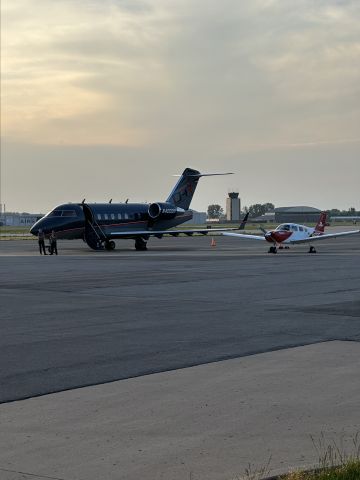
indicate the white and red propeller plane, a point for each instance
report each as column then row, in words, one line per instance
column 292, row 233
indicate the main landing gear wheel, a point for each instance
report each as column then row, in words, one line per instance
column 272, row 250
column 140, row 244
column 312, row 250
column 109, row 245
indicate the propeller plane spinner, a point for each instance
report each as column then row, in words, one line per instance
column 292, row 234
column 98, row 224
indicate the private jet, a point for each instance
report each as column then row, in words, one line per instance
column 99, row 224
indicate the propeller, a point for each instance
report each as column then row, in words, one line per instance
column 263, row 230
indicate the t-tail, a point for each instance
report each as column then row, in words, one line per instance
column 184, row 189
column 320, row 226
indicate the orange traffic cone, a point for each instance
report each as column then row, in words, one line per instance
column 213, row 242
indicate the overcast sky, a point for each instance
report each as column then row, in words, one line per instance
column 109, row 98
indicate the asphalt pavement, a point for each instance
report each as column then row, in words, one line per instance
column 85, row 318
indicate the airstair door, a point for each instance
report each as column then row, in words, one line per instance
column 94, row 236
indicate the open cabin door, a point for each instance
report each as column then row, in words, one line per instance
column 94, row 236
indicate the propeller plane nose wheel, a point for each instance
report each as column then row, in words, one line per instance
column 272, row 250
column 312, row 250
column 109, row 245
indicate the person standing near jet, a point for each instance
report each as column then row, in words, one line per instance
column 41, row 240
column 53, row 243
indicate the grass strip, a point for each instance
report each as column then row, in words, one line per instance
column 348, row 471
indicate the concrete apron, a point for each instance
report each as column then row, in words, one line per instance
column 206, row 422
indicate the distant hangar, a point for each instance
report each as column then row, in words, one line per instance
column 300, row 214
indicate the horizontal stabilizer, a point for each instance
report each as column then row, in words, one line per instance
column 198, row 175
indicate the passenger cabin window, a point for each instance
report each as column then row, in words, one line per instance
column 126, row 216
column 301, row 229
column 112, row 216
column 105, row 216
column 294, row 228
column 119, row 216
column 99, row 216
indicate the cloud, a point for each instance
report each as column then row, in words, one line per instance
column 212, row 74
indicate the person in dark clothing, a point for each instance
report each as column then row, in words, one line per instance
column 53, row 243
column 41, row 240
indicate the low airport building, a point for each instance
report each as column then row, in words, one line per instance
column 19, row 219
column 268, row 217
column 299, row 214
column 199, row 218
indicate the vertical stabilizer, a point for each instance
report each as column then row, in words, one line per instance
column 320, row 226
column 184, row 189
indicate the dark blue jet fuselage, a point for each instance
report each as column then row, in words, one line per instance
column 70, row 220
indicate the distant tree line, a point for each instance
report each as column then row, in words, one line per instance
column 351, row 212
column 216, row 211
column 259, row 209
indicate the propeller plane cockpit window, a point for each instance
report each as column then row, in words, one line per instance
column 283, row 228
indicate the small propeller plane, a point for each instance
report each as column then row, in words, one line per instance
column 98, row 224
column 292, row 233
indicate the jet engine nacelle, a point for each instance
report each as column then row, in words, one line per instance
column 162, row 211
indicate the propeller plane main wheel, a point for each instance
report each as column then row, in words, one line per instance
column 312, row 250
column 272, row 250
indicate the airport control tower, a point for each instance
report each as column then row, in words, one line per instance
column 233, row 207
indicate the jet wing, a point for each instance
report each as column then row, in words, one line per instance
column 243, row 235
column 173, row 233
column 326, row 236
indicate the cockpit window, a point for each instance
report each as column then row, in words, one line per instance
column 69, row 213
column 283, row 228
column 62, row 213
column 55, row 213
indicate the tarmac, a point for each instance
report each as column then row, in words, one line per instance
column 198, row 343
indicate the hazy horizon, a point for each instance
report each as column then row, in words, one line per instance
column 109, row 99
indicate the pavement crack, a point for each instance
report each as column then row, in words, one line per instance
column 36, row 475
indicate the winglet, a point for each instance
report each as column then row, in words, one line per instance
column 244, row 220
